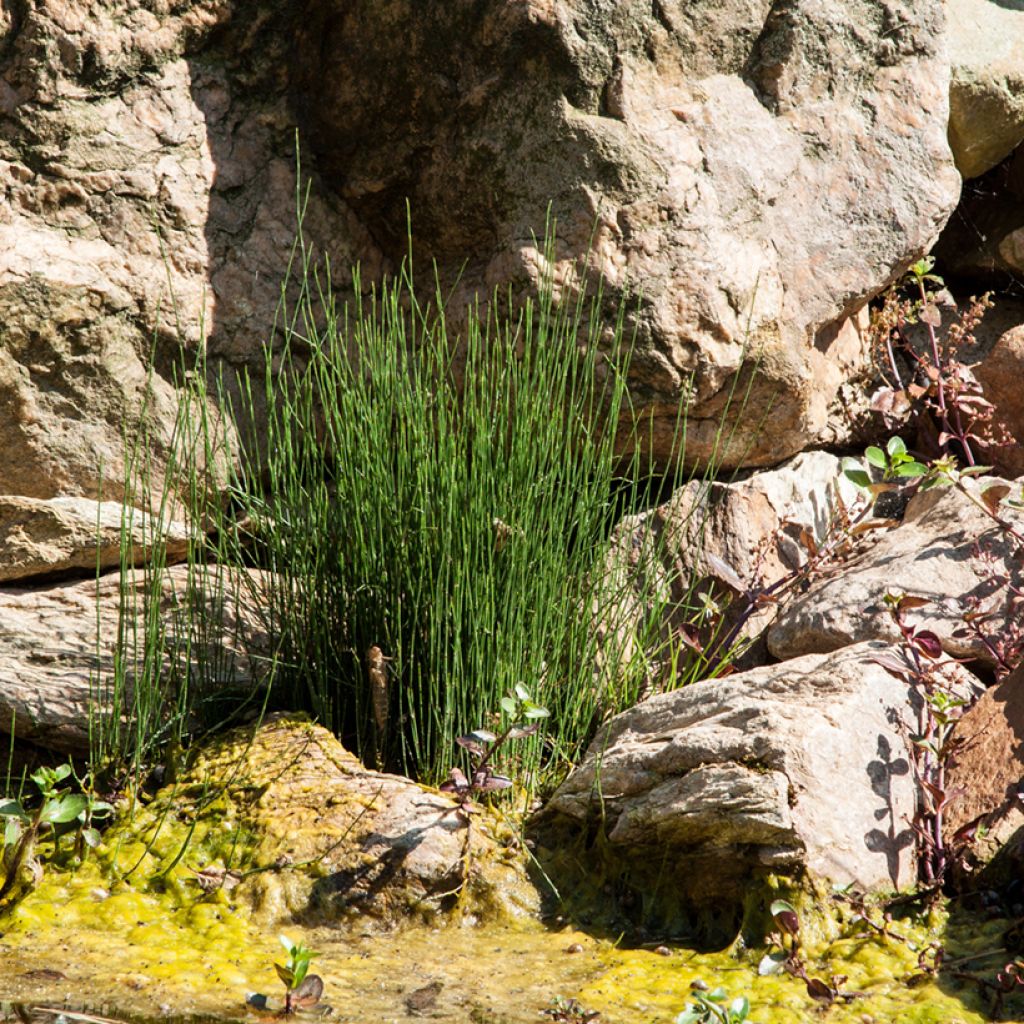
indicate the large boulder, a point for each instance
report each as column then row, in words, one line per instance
column 801, row 768
column 148, row 168
column 947, row 551
column 60, row 646
column 755, row 171
column 148, row 173
column 986, row 96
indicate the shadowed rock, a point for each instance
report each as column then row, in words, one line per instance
column 801, row 768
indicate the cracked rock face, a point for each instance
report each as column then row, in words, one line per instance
column 757, row 170
column 147, row 176
column 798, row 767
column 946, row 550
column 42, row 538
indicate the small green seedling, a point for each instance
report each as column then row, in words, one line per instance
column 894, row 462
column 302, row 988
column 712, row 1008
column 59, row 812
column 519, row 707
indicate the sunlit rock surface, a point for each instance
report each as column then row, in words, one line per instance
column 60, row 644
column 755, row 172
column 802, row 768
column 946, row 550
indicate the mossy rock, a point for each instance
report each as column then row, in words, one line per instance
column 289, row 826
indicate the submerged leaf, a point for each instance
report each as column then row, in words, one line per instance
column 308, row 993
column 818, row 989
column 771, row 963
column 785, row 916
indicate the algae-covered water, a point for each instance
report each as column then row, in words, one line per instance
column 133, row 933
column 134, row 960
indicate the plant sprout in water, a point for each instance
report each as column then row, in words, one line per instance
column 302, row 988
column 59, row 813
column 713, row 1008
column 483, row 745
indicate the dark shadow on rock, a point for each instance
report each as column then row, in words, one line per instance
column 362, row 889
column 635, row 895
column 891, row 840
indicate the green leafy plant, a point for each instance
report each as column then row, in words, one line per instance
column 58, row 812
column 302, row 989
column 893, row 463
column 715, row 1007
column 569, row 1011
column 483, row 745
column 446, row 496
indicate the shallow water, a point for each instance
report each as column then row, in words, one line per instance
column 491, row 974
column 131, row 933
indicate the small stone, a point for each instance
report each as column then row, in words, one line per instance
column 423, row 999
column 574, row 948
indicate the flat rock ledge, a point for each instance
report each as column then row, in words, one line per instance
column 801, row 769
column 43, row 537
column 58, row 643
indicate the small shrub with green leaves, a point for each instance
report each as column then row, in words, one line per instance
column 58, row 813
column 524, row 717
column 302, row 988
column 715, row 1007
column 892, row 463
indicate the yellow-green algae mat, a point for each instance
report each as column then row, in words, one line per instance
column 134, row 933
